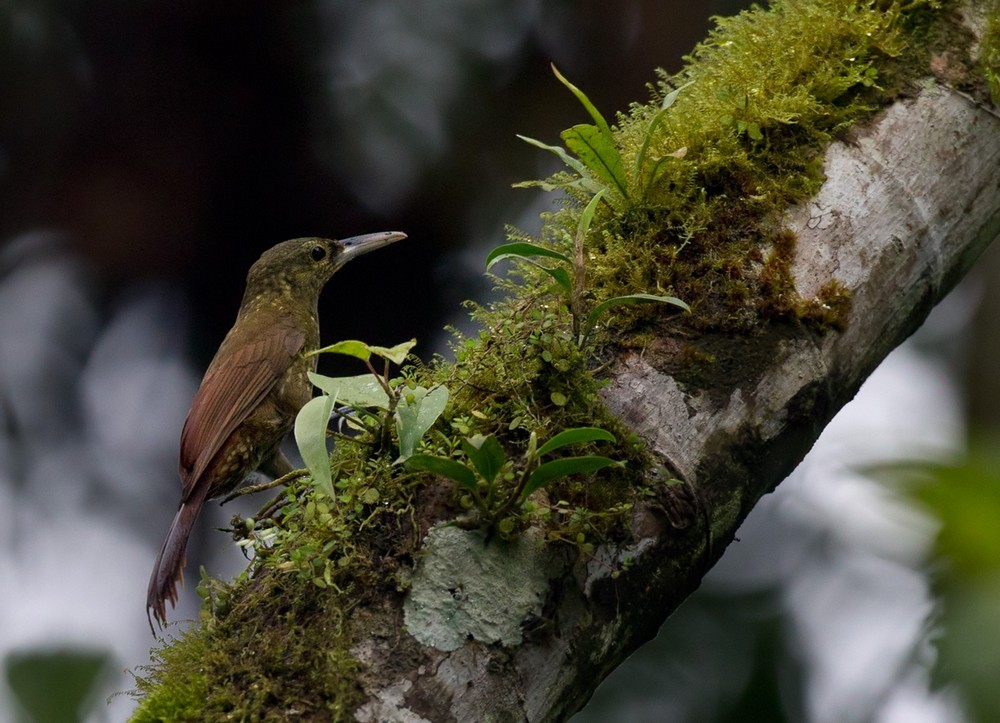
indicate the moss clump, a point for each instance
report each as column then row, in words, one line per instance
column 989, row 51
column 279, row 654
column 761, row 98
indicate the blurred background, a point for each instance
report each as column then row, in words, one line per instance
column 149, row 152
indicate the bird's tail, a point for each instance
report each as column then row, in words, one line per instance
column 169, row 567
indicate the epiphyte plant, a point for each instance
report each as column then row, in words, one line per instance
column 597, row 160
column 570, row 276
column 496, row 486
column 412, row 408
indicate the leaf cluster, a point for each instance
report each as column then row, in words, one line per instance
column 496, row 486
column 753, row 110
column 570, row 275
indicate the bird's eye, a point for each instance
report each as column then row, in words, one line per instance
column 318, row 253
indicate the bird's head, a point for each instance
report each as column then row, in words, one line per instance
column 299, row 268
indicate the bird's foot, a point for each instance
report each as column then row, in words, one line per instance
column 250, row 489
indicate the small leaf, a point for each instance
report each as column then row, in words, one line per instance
column 656, row 169
column 588, row 215
column 576, row 435
column 445, row 467
column 584, row 184
column 310, row 437
column 522, row 249
column 395, row 354
column 558, row 398
column 633, row 299
column 596, row 149
column 654, row 123
column 573, row 163
column 360, row 391
column 351, row 347
column 564, row 467
column 672, row 95
column 415, row 414
column 753, row 130
column 561, row 276
column 640, row 158
column 486, row 455
column 585, row 101
column 525, row 251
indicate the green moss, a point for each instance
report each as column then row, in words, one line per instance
column 768, row 91
column 989, row 51
column 761, row 99
column 276, row 655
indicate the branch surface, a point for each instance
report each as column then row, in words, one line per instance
column 515, row 632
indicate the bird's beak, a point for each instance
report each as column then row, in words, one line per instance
column 358, row 245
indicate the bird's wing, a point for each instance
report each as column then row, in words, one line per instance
column 237, row 380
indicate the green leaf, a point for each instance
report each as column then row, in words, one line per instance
column 633, row 299
column 416, row 412
column 655, row 170
column 640, row 158
column 576, row 435
column 584, row 184
column 573, row 163
column 558, row 398
column 561, row 276
column 672, row 96
column 486, row 455
column 522, row 249
column 596, row 149
column 588, row 215
column 350, row 347
column 310, row 436
column 654, row 123
column 445, row 467
column 585, row 101
column 361, row 391
column 564, row 467
column 395, row 354
column 753, row 130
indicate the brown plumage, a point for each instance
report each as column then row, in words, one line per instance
column 253, row 388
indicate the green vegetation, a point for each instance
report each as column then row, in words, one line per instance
column 963, row 495
column 678, row 205
column 989, row 54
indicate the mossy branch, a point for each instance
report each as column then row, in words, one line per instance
column 390, row 615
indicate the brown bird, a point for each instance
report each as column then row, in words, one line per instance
column 253, row 388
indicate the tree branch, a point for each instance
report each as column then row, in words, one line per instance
column 909, row 203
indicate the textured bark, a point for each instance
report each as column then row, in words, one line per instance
column 514, row 631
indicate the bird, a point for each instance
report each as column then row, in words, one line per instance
column 252, row 389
